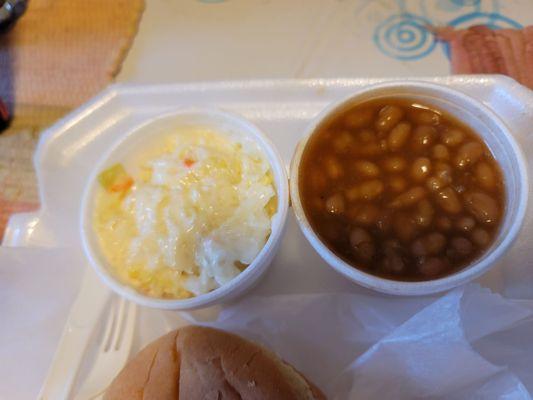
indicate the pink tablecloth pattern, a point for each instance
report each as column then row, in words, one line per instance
column 59, row 54
column 17, row 177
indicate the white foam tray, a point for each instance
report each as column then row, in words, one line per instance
column 68, row 150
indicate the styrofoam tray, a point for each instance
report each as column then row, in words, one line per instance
column 68, row 150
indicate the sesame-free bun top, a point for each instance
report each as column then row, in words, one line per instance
column 199, row 363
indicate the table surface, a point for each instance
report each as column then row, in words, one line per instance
column 198, row 40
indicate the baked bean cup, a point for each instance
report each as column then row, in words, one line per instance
column 414, row 194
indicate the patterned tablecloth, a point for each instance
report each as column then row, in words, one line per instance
column 246, row 39
column 59, row 54
column 196, row 40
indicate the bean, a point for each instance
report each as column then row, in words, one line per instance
column 443, row 171
column 423, row 137
column 366, row 136
column 382, row 135
column 460, row 247
column 468, row 154
column 370, row 150
column 397, row 184
column 388, row 117
column 443, row 223
column 426, row 117
column 459, row 188
column 398, row 136
column 392, row 246
column 424, row 213
column 384, row 221
column 480, row 237
column 359, row 118
column 440, row 152
column 420, row 168
column 482, row 206
column 393, row 263
column 452, row 137
column 485, row 176
column 362, row 244
column 394, row 164
column 358, row 236
column 343, row 142
column 365, row 214
column 335, row 204
column 371, row 189
column 412, row 196
column 366, row 168
column 448, row 200
column 465, row 223
column 434, row 243
column 353, row 193
column 392, row 260
column 367, row 190
column 405, row 227
column 417, row 248
column 333, row 167
column 428, row 245
column 433, row 266
column 434, row 184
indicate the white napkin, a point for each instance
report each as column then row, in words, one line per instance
column 467, row 344
column 37, row 287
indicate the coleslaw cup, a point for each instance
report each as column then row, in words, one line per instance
column 219, row 121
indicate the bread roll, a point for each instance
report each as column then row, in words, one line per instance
column 198, row 363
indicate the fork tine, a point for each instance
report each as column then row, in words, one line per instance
column 117, row 332
column 110, row 323
column 120, row 332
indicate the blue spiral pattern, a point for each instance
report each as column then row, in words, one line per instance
column 492, row 20
column 404, row 37
column 464, row 3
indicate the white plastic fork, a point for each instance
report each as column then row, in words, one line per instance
column 113, row 351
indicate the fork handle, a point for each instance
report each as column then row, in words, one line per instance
column 76, row 337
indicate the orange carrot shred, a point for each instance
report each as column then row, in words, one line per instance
column 188, row 162
column 122, row 186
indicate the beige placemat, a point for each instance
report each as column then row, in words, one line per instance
column 60, row 53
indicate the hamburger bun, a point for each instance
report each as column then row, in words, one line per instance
column 199, row 363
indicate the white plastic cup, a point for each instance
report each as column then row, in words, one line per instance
column 147, row 133
column 474, row 114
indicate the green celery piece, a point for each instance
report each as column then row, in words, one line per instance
column 112, row 175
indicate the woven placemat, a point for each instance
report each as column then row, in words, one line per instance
column 59, row 54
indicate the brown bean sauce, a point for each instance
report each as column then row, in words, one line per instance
column 401, row 190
